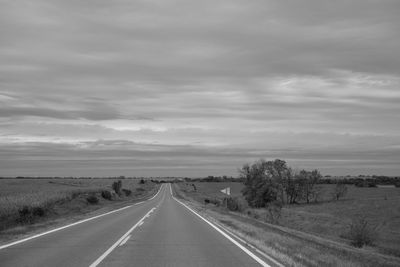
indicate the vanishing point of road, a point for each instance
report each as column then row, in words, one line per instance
column 161, row 231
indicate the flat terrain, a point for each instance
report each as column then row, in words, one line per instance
column 157, row 232
column 330, row 219
column 52, row 199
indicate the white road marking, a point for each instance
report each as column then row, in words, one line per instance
column 140, row 223
column 248, row 252
column 108, row 251
column 249, row 245
column 157, row 193
column 61, row 228
column 124, row 241
column 72, row 224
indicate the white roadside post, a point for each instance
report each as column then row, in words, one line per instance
column 226, row 191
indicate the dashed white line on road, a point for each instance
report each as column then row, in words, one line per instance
column 124, row 241
column 72, row 224
column 119, row 241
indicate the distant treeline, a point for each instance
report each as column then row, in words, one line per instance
column 360, row 182
column 371, row 181
column 364, row 182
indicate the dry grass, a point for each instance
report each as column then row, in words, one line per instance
column 326, row 220
column 55, row 197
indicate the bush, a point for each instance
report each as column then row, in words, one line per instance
column 216, row 202
column 127, row 192
column 253, row 214
column 38, row 211
column 29, row 214
column 142, row 181
column 235, row 204
column 339, row 191
column 92, row 199
column 106, row 194
column 116, row 186
column 274, row 211
column 362, row 233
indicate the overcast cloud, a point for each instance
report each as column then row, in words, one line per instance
column 194, row 88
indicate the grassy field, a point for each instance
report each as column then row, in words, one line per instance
column 329, row 219
column 28, row 201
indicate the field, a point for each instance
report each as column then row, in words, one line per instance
column 52, row 198
column 329, row 219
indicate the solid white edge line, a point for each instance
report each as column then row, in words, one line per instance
column 156, row 194
column 61, row 228
column 108, row 251
column 250, row 245
column 125, row 240
column 248, row 252
column 72, row 224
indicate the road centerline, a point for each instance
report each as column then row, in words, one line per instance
column 120, row 240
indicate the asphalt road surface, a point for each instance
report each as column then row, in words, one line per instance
column 161, row 231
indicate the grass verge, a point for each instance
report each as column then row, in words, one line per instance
column 21, row 217
column 291, row 247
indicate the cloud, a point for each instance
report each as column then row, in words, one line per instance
column 201, row 74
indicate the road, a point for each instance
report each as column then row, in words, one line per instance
column 161, row 231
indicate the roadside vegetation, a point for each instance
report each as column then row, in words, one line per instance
column 351, row 225
column 28, row 202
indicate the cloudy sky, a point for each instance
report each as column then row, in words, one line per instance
column 194, row 88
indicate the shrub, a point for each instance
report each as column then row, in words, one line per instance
column 235, row 204
column 116, row 186
column 362, row 233
column 106, row 194
column 216, row 202
column 142, row 181
column 274, row 211
column 28, row 214
column 127, row 192
column 339, row 191
column 25, row 215
column 92, row 199
column 38, row 211
column 253, row 214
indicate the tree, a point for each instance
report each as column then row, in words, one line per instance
column 309, row 180
column 264, row 181
column 339, row 191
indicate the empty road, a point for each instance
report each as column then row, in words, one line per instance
column 161, row 231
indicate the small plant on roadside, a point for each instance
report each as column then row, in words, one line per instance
column 92, row 199
column 28, row 214
column 127, row 192
column 361, row 233
column 235, row 204
column 339, row 191
column 274, row 212
column 106, row 194
column 216, row 202
column 231, row 204
column 117, row 186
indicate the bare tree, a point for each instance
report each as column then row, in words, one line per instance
column 309, row 186
column 339, row 191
